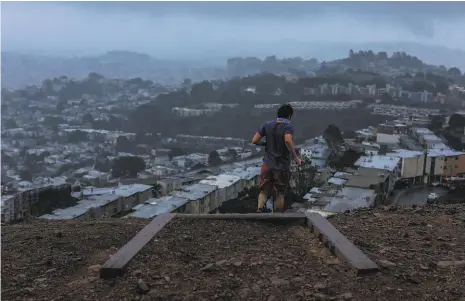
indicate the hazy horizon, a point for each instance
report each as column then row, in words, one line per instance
column 198, row 29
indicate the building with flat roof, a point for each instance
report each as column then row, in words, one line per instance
column 154, row 207
column 202, row 197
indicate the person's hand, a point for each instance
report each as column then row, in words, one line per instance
column 298, row 161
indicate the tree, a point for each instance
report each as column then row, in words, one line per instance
column 214, row 158
column 333, row 136
column 383, row 149
column 77, row 136
column 303, row 178
column 436, row 123
column 127, row 166
column 103, row 164
column 11, row 124
column 457, row 121
column 176, row 152
column 202, row 92
column 87, row 118
column 232, row 154
column 123, row 145
column 25, row 175
column 454, row 71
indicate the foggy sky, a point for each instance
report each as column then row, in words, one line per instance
column 187, row 29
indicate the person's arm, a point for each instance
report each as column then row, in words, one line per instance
column 258, row 136
column 288, row 139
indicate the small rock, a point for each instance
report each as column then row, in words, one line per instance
column 237, row 263
column 142, row 286
column 50, row 271
column 271, row 298
column 136, row 273
column 413, row 279
column 320, row 286
column 386, row 263
column 59, row 234
column 346, row 296
column 40, row 280
column 167, row 278
column 221, row 262
column 446, row 264
column 207, row 267
column 94, row 268
column 278, row 281
column 424, row 267
column 28, row 290
column 320, row 297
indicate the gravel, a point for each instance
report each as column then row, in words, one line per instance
column 48, row 260
column 228, row 260
column 421, row 252
column 420, row 249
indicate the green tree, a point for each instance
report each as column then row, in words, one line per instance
column 87, row 118
column 127, row 167
column 214, row 158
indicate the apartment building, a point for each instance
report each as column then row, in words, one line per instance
column 229, row 187
column 203, row 198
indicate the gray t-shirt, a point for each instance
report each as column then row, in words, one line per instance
column 277, row 155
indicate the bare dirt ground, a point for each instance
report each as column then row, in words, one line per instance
column 47, row 260
column 420, row 250
column 228, row 260
column 409, row 243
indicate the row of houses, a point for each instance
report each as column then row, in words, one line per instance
column 26, row 199
column 315, row 105
column 370, row 183
column 103, row 202
column 202, row 197
column 175, row 194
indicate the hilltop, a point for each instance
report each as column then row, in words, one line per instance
column 420, row 251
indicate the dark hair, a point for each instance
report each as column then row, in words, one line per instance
column 285, row 111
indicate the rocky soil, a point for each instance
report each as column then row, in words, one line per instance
column 421, row 249
column 48, row 260
column 230, row 260
column 421, row 252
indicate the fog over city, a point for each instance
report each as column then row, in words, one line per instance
column 198, row 30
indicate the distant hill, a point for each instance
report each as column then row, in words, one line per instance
column 19, row 70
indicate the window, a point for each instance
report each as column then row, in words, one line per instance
column 456, row 158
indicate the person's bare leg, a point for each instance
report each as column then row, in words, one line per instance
column 262, row 198
column 279, row 203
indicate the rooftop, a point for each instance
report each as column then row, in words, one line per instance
column 379, row 162
column 405, row 153
column 221, row 180
column 123, row 190
column 194, row 192
column 154, row 207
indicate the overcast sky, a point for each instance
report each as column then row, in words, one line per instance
column 167, row 29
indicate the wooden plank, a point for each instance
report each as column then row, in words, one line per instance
column 340, row 245
column 115, row 266
column 272, row 217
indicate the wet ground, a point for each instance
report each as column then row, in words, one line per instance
column 418, row 196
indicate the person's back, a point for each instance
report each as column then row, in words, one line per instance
column 277, row 155
column 276, row 166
